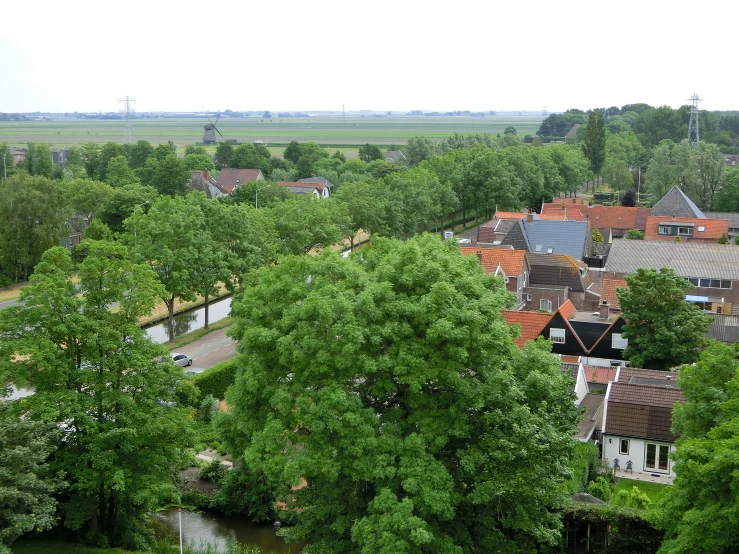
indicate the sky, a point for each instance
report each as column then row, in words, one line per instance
column 402, row 55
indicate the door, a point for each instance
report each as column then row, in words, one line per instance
column 657, row 458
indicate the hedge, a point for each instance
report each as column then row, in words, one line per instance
column 217, row 379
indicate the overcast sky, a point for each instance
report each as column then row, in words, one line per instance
column 380, row 55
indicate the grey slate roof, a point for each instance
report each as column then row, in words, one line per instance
column 321, row 180
column 676, row 203
column 688, row 259
column 731, row 216
column 563, row 237
column 517, row 238
column 394, row 156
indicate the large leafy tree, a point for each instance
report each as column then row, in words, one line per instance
column 370, row 152
column 663, row 329
column 79, row 345
column 727, row 198
column 699, row 512
column 390, row 384
column 27, row 484
column 87, row 197
column 119, row 174
column 35, row 215
column 123, row 202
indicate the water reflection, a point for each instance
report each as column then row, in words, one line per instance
column 189, row 321
column 218, row 530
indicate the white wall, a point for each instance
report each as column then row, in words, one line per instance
column 637, row 454
column 581, row 385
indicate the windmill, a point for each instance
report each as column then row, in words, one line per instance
column 209, row 133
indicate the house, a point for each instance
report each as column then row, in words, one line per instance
column 551, row 237
column 556, row 278
column 319, row 190
column 689, row 229
column 495, row 230
column 619, row 219
column 637, row 421
column 595, row 339
column 395, row 156
column 731, row 159
column 608, row 298
column 530, row 324
column 591, row 402
column 598, row 377
column 731, row 217
column 59, row 156
column 202, row 181
column 572, row 133
column 509, row 264
column 712, row 268
column 229, row 179
column 564, row 200
column 676, row 203
column 18, row 154
column 322, row 180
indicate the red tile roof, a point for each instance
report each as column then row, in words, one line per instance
column 606, row 217
column 509, row 215
column 600, row 374
column 608, row 291
column 531, row 323
column 230, row 178
column 714, row 228
column 510, row 261
column 559, row 215
column 562, row 200
column 564, row 358
column 567, row 309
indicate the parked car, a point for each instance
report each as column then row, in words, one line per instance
column 181, row 359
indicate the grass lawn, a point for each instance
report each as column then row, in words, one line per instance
column 652, row 490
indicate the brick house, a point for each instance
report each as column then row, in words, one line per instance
column 637, row 421
column 556, row 278
column 229, row 179
column 689, row 229
column 509, row 264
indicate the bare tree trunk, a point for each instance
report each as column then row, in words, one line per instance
column 206, row 310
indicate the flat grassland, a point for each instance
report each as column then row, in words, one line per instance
column 327, row 131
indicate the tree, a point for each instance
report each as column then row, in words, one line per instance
column 27, row 483
column 93, row 375
column 616, row 173
column 303, row 223
column 43, row 164
column 223, row 155
column 727, row 198
column 35, row 217
column 107, row 152
column 663, row 329
column 6, row 159
column 597, row 236
column 170, row 176
column 87, row 197
column 293, row 151
column 594, row 145
column 698, row 513
column 121, row 204
column 367, row 205
column 711, row 165
column 723, row 239
column 628, row 200
column 119, row 174
column 660, row 176
column 634, row 234
column 419, row 149
column 139, row 153
column 510, row 130
column 370, row 152
column 310, row 153
column 413, row 425
column 657, row 124
column 200, row 162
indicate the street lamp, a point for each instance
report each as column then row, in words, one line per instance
column 134, row 214
column 256, row 196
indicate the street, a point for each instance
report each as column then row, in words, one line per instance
column 208, row 351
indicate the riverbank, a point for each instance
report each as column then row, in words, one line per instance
column 44, row 546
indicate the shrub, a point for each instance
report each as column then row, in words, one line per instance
column 213, row 471
column 633, row 498
column 585, row 466
column 601, row 488
column 245, row 492
column 634, row 234
column 216, row 380
column 724, row 239
column 208, row 407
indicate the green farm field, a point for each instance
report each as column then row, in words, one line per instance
column 327, row 131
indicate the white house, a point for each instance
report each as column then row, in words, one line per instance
column 637, row 419
column 318, row 190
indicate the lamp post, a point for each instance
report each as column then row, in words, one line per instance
column 256, row 196
column 134, row 213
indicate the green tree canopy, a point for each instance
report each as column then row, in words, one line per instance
column 698, row 513
column 119, row 174
column 93, row 375
column 663, row 329
column 594, row 144
column 390, row 383
column 121, row 204
column 370, row 152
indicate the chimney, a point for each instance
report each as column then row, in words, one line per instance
column 479, row 256
column 530, row 216
column 674, row 218
column 574, row 200
column 603, row 309
column 206, row 175
column 564, row 208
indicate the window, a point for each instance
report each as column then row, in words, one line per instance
column 528, row 298
column 701, row 228
column 557, row 335
column 685, row 231
column 705, row 283
column 725, row 284
column 693, row 281
column 624, row 446
column 664, row 230
column 545, row 305
column 550, row 250
column 538, row 248
column 617, row 341
column 658, row 457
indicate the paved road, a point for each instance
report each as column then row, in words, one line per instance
column 210, row 350
column 8, row 304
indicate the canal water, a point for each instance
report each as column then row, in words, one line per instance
column 191, row 320
column 200, row 528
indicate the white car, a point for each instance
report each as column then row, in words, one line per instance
column 181, row 359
